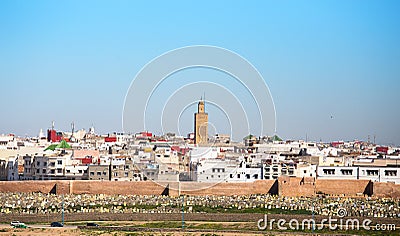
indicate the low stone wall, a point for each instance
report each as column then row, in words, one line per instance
column 207, row 217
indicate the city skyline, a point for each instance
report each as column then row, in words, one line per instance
column 332, row 67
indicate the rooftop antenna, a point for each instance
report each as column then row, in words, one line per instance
column 91, row 129
column 204, row 100
column 72, row 130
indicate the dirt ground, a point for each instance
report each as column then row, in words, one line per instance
column 39, row 231
column 79, row 232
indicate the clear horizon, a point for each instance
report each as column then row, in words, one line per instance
column 332, row 67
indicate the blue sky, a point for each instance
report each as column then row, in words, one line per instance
column 74, row 60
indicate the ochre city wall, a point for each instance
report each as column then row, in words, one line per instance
column 386, row 190
column 290, row 186
column 35, row 186
column 122, row 187
column 284, row 187
column 344, row 187
column 227, row 189
column 294, row 187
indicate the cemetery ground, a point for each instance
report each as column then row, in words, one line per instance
column 203, row 215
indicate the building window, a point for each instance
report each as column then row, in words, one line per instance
column 255, row 176
column 347, row 172
column 98, row 173
column 390, row 172
column 247, row 176
column 38, row 163
column 44, row 163
column 80, row 171
column 52, row 171
column 44, row 171
column 59, row 162
column 115, row 173
column 127, row 167
column 126, row 174
column 38, row 171
column 238, row 176
column 91, row 173
column 372, row 172
column 329, row 171
column 68, row 171
column 59, row 170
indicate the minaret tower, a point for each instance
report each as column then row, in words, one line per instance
column 201, row 124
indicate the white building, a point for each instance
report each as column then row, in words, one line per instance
column 76, row 172
column 306, row 170
column 201, row 153
column 274, row 170
column 228, row 170
column 43, row 167
column 373, row 173
column 293, row 148
column 12, row 168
